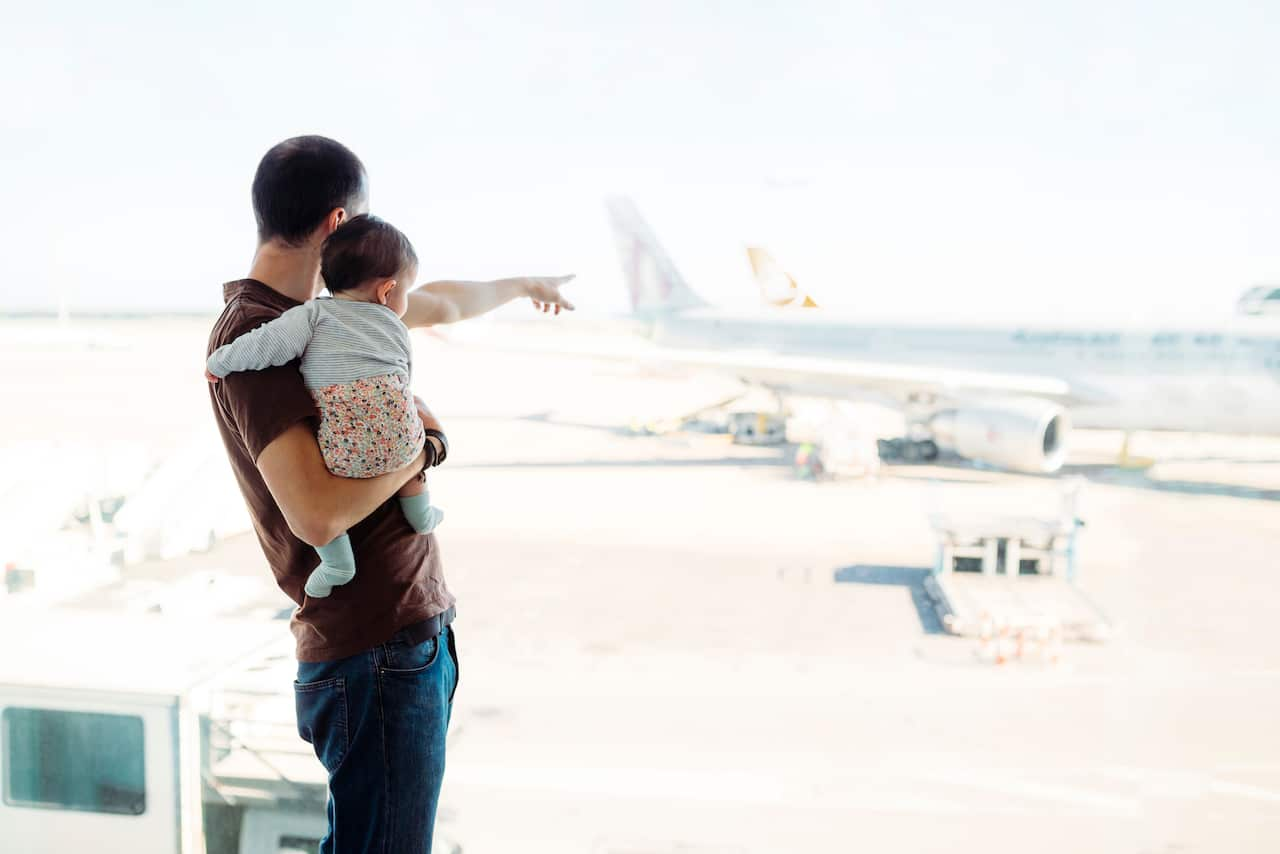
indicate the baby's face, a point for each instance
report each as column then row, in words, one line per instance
column 398, row 299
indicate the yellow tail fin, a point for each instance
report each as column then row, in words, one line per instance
column 776, row 285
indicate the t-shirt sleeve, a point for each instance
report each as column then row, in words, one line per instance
column 263, row 404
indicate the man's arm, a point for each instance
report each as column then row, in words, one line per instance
column 449, row 302
column 318, row 505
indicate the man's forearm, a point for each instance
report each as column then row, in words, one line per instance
column 450, row 301
column 347, row 500
column 318, row 505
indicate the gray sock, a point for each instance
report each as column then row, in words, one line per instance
column 421, row 515
column 337, row 567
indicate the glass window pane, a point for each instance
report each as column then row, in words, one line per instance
column 74, row 760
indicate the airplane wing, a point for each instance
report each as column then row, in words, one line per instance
column 824, row 376
column 819, row 376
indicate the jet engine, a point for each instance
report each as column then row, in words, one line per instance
column 1023, row 434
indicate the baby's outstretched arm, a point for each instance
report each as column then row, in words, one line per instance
column 450, row 301
column 276, row 342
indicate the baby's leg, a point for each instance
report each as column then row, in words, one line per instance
column 417, row 486
column 337, row 567
column 415, row 503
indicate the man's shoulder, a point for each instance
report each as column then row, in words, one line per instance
column 245, row 310
column 240, row 316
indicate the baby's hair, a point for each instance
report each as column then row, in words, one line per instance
column 364, row 248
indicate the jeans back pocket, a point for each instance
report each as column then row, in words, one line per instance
column 321, row 708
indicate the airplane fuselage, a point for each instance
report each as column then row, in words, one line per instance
column 1224, row 378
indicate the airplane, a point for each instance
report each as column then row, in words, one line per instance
column 1260, row 299
column 1005, row 395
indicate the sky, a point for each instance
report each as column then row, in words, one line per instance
column 980, row 159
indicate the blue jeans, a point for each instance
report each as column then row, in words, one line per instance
column 377, row 721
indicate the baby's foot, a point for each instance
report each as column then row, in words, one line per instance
column 423, row 516
column 322, row 581
column 434, row 517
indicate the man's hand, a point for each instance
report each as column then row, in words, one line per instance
column 545, row 293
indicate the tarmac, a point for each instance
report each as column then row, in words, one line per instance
column 672, row 645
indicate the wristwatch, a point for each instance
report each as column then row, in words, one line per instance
column 434, row 459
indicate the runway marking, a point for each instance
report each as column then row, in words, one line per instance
column 1179, row 679
column 697, row 786
column 1040, row 791
column 1251, row 767
column 715, row 788
column 660, row 783
column 762, row 789
column 1257, row 674
column 1241, row 790
column 1195, row 784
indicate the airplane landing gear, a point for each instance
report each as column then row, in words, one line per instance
column 757, row 428
column 907, row 450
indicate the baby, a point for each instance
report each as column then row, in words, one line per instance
column 356, row 362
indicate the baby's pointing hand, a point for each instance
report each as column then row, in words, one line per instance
column 545, row 294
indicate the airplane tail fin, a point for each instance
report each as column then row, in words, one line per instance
column 776, row 285
column 655, row 284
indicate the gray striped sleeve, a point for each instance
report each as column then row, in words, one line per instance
column 275, row 342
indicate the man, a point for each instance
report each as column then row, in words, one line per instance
column 377, row 660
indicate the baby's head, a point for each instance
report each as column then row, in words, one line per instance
column 369, row 258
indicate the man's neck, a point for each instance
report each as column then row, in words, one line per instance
column 289, row 270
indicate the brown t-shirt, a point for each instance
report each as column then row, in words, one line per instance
column 399, row 579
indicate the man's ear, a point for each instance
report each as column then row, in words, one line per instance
column 383, row 290
column 336, row 217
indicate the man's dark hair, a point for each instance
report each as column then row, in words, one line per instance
column 299, row 181
column 364, row 248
